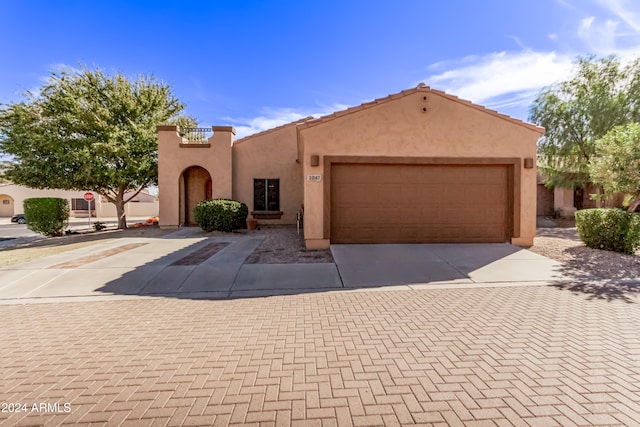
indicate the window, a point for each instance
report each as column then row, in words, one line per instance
column 266, row 194
column 81, row 205
column 6, row 202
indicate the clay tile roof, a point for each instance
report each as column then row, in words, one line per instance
column 297, row 122
column 420, row 88
column 311, row 121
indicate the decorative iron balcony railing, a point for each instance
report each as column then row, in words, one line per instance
column 195, row 134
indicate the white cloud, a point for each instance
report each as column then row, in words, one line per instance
column 623, row 10
column 506, row 78
column 566, row 4
column 269, row 118
column 273, row 117
column 600, row 37
column 617, row 31
column 511, row 79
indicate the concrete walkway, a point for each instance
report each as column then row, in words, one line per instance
column 169, row 266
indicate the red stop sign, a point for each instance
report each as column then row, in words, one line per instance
column 88, row 196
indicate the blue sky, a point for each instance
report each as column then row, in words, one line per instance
column 258, row 64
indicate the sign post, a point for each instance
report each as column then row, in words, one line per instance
column 88, row 196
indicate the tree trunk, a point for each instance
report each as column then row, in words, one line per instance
column 634, row 205
column 122, row 218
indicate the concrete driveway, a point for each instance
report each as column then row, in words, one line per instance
column 185, row 264
column 410, row 264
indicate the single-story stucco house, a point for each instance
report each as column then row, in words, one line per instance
column 415, row 166
column 12, row 197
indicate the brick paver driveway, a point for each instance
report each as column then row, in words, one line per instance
column 534, row 355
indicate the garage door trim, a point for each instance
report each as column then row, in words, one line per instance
column 513, row 180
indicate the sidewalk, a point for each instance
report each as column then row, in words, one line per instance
column 160, row 267
column 184, row 264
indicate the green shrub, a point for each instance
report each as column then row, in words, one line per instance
column 609, row 229
column 47, row 215
column 221, row 215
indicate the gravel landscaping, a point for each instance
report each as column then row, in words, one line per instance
column 563, row 244
column 283, row 245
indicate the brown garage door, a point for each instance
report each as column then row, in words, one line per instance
column 419, row 203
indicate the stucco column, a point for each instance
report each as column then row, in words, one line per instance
column 221, row 161
column 168, row 176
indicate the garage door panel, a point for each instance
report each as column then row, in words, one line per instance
column 419, row 203
column 409, row 174
column 378, row 215
column 411, row 190
column 408, row 216
column 354, row 194
column 383, row 175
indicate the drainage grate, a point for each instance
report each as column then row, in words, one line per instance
column 202, row 254
column 100, row 255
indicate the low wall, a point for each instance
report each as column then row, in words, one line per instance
column 130, row 209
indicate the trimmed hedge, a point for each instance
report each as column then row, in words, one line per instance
column 221, row 214
column 609, row 229
column 47, row 215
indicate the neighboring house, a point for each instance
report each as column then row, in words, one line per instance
column 12, row 197
column 565, row 202
column 416, row 166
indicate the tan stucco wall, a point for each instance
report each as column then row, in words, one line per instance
column 401, row 128
column 174, row 158
column 130, row 209
column 271, row 155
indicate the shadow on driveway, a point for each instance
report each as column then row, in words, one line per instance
column 584, row 272
column 226, row 275
column 609, row 290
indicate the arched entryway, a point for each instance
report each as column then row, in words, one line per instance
column 6, row 205
column 195, row 186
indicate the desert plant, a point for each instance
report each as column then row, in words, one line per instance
column 47, row 215
column 221, row 214
column 609, row 229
